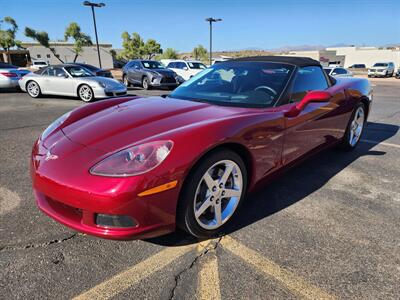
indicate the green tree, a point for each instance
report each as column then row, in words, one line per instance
column 7, row 36
column 80, row 39
column 151, row 48
column 42, row 38
column 135, row 47
column 200, row 53
column 169, row 53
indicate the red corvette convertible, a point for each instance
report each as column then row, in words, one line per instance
column 134, row 167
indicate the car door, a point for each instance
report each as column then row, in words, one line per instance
column 59, row 82
column 133, row 72
column 318, row 123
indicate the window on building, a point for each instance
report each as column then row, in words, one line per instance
column 48, row 55
column 38, row 56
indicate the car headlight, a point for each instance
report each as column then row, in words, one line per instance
column 133, row 160
column 53, row 126
column 155, row 74
column 102, row 84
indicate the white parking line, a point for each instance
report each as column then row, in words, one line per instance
column 380, row 143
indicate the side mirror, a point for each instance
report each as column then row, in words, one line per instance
column 185, row 68
column 312, row 96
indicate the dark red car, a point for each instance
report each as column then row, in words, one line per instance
column 139, row 167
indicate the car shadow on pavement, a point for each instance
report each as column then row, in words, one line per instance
column 287, row 189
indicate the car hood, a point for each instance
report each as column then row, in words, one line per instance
column 379, row 68
column 162, row 71
column 140, row 119
column 109, row 82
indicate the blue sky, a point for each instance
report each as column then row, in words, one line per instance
column 246, row 24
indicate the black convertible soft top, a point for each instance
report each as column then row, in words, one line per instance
column 293, row 60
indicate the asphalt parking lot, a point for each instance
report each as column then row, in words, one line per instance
column 329, row 228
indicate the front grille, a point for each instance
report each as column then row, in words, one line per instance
column 168, row 80
column 120, row 93
column 372, row 70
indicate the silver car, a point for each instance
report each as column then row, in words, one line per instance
column 338, row 72
column 10, row 75
column 70, row 80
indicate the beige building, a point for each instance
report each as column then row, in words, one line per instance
column 347, row 56
column 65, row 52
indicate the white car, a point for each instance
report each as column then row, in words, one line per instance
column 39, row 64
column 70, row 80
column 186, row 68
column 338, row 72
column 381, row 69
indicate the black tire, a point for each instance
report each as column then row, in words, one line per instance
column 85, row 93
column 145, row 83
column 345, row 144
column 29, row 86
column 126, row 81
column 186, row 219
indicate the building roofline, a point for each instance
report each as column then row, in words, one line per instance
column 30, row 44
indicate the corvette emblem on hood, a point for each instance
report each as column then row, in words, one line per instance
column 50, row 156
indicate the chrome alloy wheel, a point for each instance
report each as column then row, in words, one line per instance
column 356, row 126
column 33, row 89
column 218, row 194
column 85, row 93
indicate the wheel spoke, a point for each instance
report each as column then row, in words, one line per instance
column 218, row 213
column 231, row 193
column 227, row 172
column 209, row 181
column 203, row 207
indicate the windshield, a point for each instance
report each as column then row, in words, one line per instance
column 251, row 84
column 151, row 64
column 196, row 65
column 380, row 65
column 76, row 71
column 40, row 63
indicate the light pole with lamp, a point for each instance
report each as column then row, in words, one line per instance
column 93, row 5
column 210, row 21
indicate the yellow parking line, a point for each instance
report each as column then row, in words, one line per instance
column 135, row 274
column 380, row 143
column 208, row 285
column 292, row 282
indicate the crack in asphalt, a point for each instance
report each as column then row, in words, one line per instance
column 23, row 127
column 41, row 245
column 192, row 264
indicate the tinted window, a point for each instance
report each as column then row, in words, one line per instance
column 340, row 71
column 308, row 79
column 57, row 72
column 171, row 65
column 251, row 84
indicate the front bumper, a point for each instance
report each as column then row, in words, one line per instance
column 68, row 193
column 377, row 73
column 109, row 92
column 161, row 82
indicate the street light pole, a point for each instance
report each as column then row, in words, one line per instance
column 210, row 21
column 93, row 5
